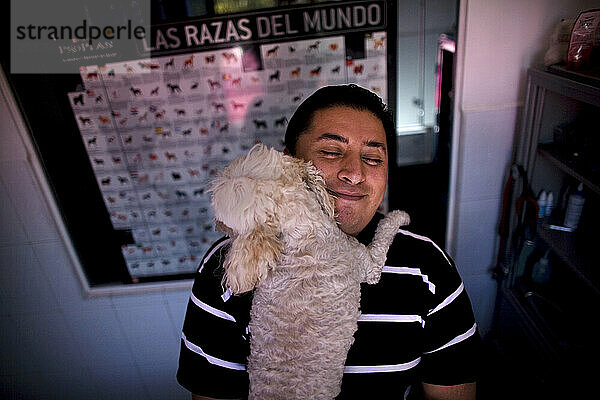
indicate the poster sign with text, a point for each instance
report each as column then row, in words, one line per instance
column 158, row 129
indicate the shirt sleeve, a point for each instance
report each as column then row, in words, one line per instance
column 214, row 341
column 452, row 342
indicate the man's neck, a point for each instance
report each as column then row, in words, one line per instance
column 366, row 235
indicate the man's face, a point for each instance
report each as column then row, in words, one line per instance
column 349, row 147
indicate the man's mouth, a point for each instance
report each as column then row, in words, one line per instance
column 347, row 195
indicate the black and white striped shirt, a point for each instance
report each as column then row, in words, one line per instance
column 417, row 325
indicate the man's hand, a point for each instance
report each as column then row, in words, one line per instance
column 466, row 391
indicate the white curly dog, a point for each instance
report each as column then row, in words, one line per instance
column 305, row 272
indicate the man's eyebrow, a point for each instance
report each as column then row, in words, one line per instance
column 333, row 136
column 374, row 143
column 342, row 139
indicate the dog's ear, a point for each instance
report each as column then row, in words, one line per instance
column 251, row 256
column 237, row 202
column 316, row 184
column 243, row 194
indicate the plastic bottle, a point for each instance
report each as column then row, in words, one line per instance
column 549, row 204
column 542, row 200
column 542, row 270
column 574, row 208
column 524, row 255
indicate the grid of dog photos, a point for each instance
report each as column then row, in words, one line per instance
column 158, row 130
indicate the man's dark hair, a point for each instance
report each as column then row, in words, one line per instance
column 350, row 95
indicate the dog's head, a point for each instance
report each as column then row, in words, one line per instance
column 252, row 199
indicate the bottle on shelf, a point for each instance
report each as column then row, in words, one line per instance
column 574, row 208
column 542, row 201
column 542, row 270
column 549, row 204
column 524, row 256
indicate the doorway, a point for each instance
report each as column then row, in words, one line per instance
column 419, row 183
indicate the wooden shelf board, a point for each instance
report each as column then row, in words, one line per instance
column 550, row 152
column 575, row 253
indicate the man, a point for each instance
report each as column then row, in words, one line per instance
column 416, row 334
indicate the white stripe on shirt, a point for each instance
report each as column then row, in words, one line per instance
column 366, row 369
column 211, row 310
column 213, row 360
column 426, row 239
column 409, row 271
column 448, row 299
column 456, row 340
column 390, row 318
column 213, row 251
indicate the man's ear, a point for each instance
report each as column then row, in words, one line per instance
column 221, row 227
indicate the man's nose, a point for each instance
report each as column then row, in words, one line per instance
column 351, row 170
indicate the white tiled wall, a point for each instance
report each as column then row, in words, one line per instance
column 54, row 342
column 486, row 154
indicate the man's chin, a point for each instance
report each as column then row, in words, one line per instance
column 349, row 223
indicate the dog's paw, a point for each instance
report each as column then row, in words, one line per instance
column 398, row 218
column 385, row 234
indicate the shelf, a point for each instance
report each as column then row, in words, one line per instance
column 547, row 345
column 573, row 168
column 547, row 324
column 551, row 323
column 587, row 91
column 539, row 339
column 588, row 77
column 576, row 253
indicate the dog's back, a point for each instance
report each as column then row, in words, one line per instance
column 305, row 313
column 303, row 319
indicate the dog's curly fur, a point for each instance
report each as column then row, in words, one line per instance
column 305, row 272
